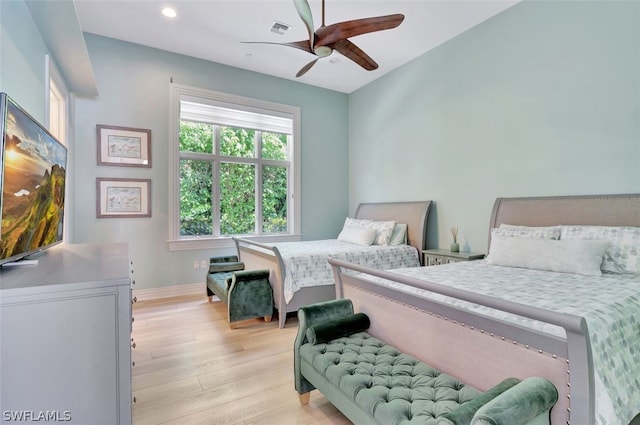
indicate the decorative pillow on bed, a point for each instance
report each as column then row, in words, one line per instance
column 357, row 222
column 384, row 230
column 358, row 235
column 623, row 254
column 567, row 256
column 399, row 235
column 548, row 232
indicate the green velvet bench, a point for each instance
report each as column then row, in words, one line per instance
column 247, row 293
column 371, row 382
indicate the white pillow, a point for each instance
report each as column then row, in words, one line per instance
column 357, row 222
column 358, row 235
column 567, row 256
column 384, row 230
column 547, row 232
column 399, row 235
column 623, row 254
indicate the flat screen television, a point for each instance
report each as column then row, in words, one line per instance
column 33, row 166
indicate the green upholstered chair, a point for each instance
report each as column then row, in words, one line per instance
column 247, row 293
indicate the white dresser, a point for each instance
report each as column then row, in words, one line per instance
column 65, row 337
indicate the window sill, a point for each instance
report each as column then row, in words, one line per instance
column 224, row 242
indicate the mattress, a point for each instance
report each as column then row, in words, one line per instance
column 305, row 262
column 609, row 303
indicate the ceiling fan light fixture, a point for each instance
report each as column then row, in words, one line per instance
column 327, row 38
column 280, row 28
column 169, row 12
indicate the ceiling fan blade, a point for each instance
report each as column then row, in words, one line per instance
column 307, row 67
column 342, row 30
column 302, row 45
column 304, row 10
column 356, row 54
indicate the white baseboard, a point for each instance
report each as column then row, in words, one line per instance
column 170, row 291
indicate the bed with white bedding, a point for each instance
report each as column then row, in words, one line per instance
column 300, row 273
column 305, row 262
column 582, row 320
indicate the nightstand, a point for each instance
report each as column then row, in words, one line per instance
column 434, row 257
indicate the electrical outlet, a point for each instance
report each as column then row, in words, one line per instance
column 196, row 264
column 203, row 264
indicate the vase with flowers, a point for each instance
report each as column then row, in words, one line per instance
column 454, row 245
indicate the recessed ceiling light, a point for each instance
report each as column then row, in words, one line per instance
column 169, row 12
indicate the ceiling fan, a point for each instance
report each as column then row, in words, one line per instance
column 323, row 41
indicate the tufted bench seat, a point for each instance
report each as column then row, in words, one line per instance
column 372, row 382
column 247, row 293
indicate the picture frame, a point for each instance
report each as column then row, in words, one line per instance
column 123, row 198
column 123, row 146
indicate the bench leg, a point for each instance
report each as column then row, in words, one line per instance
column 267, row 318
column 304, row 398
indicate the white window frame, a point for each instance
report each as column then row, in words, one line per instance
column 58, row 119
column 180, row 92
column 56, row 102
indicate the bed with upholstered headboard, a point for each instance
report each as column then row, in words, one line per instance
column 300, row 274
column 566, row 307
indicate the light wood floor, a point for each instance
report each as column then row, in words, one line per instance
column 190, row 368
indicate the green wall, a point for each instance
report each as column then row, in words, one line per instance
column 22, row 58
column 542, row 99
column 133, row 86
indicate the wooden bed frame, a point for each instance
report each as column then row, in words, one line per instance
column 466, row 345
column 261, row 256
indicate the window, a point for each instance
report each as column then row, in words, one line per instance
column 56, row 95
column 58, row 120
column 234, row 169
column 57, row 112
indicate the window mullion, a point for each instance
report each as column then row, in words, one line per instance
column 290, row 185
column 258, row 179
column 215, row 208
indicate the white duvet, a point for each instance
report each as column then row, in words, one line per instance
column 306, row 263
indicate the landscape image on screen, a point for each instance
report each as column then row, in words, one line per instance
column 33, row 186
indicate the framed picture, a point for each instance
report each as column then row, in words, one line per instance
column 123, row 146
column 123, row 198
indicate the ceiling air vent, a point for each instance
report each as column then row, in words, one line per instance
column 280, row 28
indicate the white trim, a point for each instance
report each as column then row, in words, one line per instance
column 226, row 242
column 170, row 291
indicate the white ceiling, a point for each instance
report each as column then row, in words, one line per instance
column 215, row 29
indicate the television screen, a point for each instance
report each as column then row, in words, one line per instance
column 33, row 184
